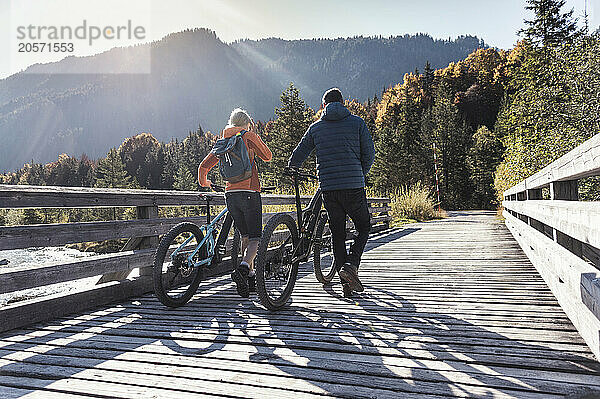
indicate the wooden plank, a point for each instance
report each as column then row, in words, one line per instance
column 563, row 272
column 21, row 196
column 45, row 308
column 394, row 379
column 451, row 308
column 318, row 334
column 51, row 235
column 580, row 220
column 380, row 219
column 7, row 392
column 484, row 352
column 583, row 161
column 23, row 278
column 143, row 213
column 49, row 387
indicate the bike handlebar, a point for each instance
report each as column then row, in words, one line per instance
column 299, row 175
column 220, row 189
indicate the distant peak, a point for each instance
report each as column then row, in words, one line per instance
column 195, row 33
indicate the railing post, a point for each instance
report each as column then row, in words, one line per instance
column 386, row 224
column 142, row 212
column 147, row 212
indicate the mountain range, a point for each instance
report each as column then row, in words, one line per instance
column 196, row 79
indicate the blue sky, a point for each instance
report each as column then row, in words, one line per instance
column 496, row 21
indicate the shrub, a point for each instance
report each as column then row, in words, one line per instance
column 414, row 202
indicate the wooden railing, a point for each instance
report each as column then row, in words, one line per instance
column 112, row 269
column 561, row 235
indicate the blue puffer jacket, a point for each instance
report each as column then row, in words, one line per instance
column 344, row 148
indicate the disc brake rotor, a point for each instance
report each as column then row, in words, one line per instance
column 182, row 265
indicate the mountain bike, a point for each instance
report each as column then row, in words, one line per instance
column 287, row 242
column 187, row 251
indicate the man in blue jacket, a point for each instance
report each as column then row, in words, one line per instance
column 345, row 153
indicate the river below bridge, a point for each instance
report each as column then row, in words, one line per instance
column 22, row 258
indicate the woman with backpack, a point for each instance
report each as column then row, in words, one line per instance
column 236, row 150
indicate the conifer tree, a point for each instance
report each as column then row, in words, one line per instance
column 184, row 180
column 453, row 138
column 284, row 133
column 484, row 157
column 550, row 26
column 193, row 150
column 428, row 78
column 111, row 172
column 170, row 164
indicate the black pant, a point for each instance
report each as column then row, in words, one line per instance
column 342, row 203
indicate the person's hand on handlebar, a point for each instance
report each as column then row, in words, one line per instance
column 216, row 188
column 291, row 170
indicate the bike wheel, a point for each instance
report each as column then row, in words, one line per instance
column 323, row 258
column 175, row 279
column 275, row 272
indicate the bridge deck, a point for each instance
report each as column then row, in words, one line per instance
column 451, row 308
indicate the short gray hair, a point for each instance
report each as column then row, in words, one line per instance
column 239, row 117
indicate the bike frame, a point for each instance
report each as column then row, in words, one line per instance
column 208, row 240
column 313, row 209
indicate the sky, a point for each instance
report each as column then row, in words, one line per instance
column 495, row 21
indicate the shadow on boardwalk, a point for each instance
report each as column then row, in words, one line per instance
column 378, row 344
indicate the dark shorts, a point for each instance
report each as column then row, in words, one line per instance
column 246, row 209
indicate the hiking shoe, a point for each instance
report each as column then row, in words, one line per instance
column 252, row 283
column 240, row 278
column 347, row 290
column 349, row 275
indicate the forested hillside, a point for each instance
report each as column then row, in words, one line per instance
column 359, row 66
column 196, row 80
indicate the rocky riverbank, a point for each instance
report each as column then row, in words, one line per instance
column 22, row 258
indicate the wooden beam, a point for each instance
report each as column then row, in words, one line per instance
column 23, row 278
column 45, row 308
column 51, row 235
column 142, row 213
column 564, row 273
column 18, row 196
column 583, row 161
column 579, row 220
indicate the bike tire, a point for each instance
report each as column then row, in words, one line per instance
column 323, row 275
column 174, row 301
column 267, row 260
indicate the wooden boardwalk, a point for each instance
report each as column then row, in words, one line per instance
column 452, row 308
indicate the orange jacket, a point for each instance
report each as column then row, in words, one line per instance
column 255, row 146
